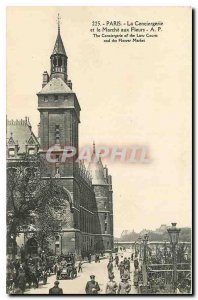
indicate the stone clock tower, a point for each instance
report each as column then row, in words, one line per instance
column 59, row 118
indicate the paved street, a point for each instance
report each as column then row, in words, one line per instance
column 77, row 286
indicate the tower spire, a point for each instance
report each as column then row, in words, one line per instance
column 59, row 57
column 58, row 22
column 94, row 147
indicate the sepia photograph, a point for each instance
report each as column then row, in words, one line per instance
column 99, row 150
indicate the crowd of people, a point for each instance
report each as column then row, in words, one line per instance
column 28, row 272
column 157, row 282
column 123, row 265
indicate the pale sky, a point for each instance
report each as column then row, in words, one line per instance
column 130, row 94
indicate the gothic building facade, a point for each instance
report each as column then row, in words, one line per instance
column 88, row 219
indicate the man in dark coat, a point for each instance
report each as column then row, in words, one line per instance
column 56, row 290
column 89, row 257
column 17, row 266
column 80, row 266
column 110, row 267
column 21, row 281
column 136, row 263
column 92, row 286
column 116, row 260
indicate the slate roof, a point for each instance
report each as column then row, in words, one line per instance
column 59, row 47
column 96, row 170
column 20, row 132
column 55, row 86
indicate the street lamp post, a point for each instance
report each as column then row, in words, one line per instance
column 144, row 265
column 140, row 248
column 60, row 233
column 61, row 240
column 165, row 252
column 174, row 237
column 145, row 241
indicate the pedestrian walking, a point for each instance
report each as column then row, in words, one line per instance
column 92, row 286
column 116, row 260
column 58, row 270
column 89, row 257
column 136, row 277
column 80, row 266
column 55, row 290
column 128, row 264
column 136, row 263
column 97, row 258
column 126, row 272
column 17, row 266
column 110, row 267
column 124, row 287
column 55, row 268
column 121, row 268
column 111, row 286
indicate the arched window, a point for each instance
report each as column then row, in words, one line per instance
column 59, row 61
column 54, row 61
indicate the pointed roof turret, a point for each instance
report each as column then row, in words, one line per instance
column 59, row 47
column 96, row 169
column 94, row 148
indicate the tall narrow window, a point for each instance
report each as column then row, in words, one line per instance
column 57, row 134
column 105, row 227
column 54, row 61
column 56, row 98
column 59, row 62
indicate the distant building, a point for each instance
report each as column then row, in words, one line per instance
column 143, row 232
column 124, row 232
column 88, row 226
column 162, row 229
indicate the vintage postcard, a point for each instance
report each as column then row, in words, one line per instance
column 99, row 149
